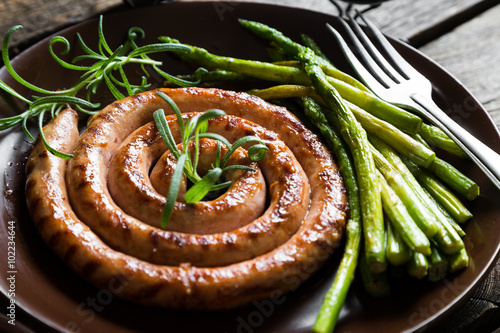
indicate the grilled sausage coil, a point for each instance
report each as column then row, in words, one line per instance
column 188, row 265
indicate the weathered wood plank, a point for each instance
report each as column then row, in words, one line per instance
column 490, row 289
column 408, row 19
column 42, row 16
column 472, row 54
column 480, row 313
column 476, row 315
column 399, row 18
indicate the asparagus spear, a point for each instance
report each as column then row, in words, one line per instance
column 435, row 136
column 287, row 91
column 454, row 179
column 450, row 219
column 397, row 251
column 438, row 265
column 376, row 284
column 334, row 299
column 446, row 236
column 355, row 137
column 449, row 233
column 418, row 266
column 328, row 68
column 401, row 220
column 447, row 215
column 413, row 202
column 459, row 260
column 309, row 42
column 445, row 197
column 451, row 175
column 400, row 141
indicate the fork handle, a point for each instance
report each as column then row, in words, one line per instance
column 486, row 158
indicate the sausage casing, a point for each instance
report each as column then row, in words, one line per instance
column 185, row 285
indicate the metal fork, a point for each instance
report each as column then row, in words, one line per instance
column 394, row 80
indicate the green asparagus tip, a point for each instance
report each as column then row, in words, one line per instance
column 247, row 24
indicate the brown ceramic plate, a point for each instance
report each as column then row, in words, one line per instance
column 50, row 297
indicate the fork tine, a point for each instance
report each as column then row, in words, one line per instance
column 362, row 72
column 398, row 62
column 363, row 54
column 373, row 51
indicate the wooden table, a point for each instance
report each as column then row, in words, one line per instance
column 461, row 35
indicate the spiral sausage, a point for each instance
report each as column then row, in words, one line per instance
column 115, row 246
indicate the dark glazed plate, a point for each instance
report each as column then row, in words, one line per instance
column 51, row 297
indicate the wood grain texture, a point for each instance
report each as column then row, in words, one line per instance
column 399, row 18
column 406, row 19
column 480, row 313
column 472, row 54
column 42, row 16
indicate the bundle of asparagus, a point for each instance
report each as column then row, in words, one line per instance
column 404, row 200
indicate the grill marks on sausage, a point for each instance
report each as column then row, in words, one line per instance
column 187, row 286
column 90, row 268
column 70, row 252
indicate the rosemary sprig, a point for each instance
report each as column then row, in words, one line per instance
column 194, row 129
column 106, row 66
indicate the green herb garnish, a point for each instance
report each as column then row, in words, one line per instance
column 194, row 129
column 105, row 66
